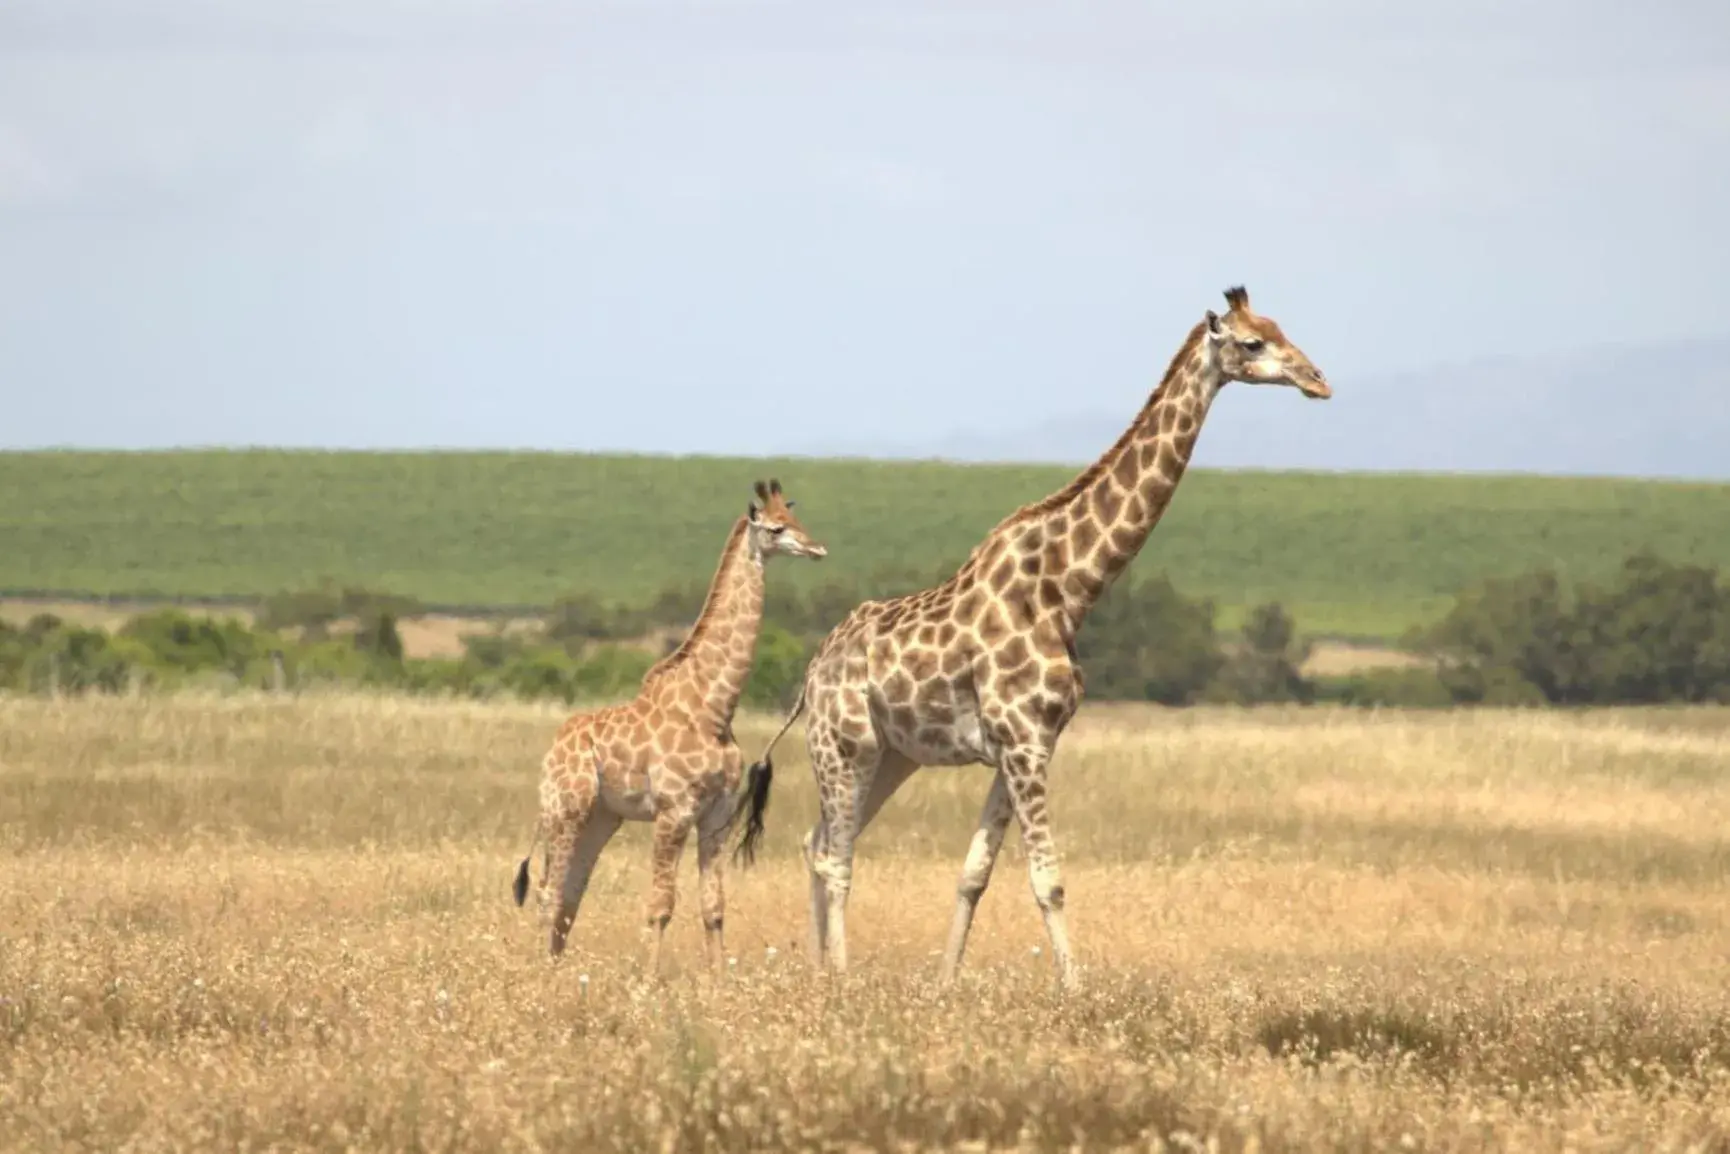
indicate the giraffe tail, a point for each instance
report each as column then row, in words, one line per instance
column 756, row 793
column 754, row 798
column 520, row 887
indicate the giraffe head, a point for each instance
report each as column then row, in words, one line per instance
column 1251, row 348
column 774, row 529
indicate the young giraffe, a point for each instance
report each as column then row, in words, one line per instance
column 668, row 755
column 982, row 668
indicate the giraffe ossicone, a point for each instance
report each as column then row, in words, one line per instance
column 668, row 755
column 982, row 668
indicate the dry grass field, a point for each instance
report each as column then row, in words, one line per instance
column 247, row 923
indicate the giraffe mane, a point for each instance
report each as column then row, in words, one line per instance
column 1091, row 474
column 723, row 572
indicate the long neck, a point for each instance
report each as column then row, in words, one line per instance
column 712, row 663
column 1094, row 527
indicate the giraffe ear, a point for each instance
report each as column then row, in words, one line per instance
column 790, row 504
column 1212, row 323
column 751, row 512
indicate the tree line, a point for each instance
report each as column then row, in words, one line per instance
column 1659, row 632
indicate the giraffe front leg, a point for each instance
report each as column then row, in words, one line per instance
column 976, row 871
column 672, row 828
column 1024, row 772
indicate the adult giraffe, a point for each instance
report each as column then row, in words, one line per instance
column 668, row 755
column 982, row 668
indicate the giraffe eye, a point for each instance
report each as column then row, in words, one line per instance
column 1254, row 346
column 777, row 529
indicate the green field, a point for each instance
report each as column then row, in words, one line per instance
column 1358, row 554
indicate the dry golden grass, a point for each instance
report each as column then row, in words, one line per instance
column 286, row 924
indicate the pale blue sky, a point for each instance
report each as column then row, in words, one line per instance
column 758, row 227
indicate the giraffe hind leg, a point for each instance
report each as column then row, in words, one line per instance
column 976, row 872
column 672, row 830
column 576, row 848
column 711, row 865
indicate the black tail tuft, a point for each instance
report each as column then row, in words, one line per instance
column 520, row 887
column 757, row 782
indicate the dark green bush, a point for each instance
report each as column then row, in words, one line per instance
column 779, row 669
column 1145, row 641
column 315, row 610
column 1412, row 688
column 1660, row 633
column 610, row 671
column 1266, row 664
column 544, row 671
column 377, row 635
column 311, row 610
column 580, row 618
column 178, row 643
column 494, row 649
column 677, row 605
column 70, row 659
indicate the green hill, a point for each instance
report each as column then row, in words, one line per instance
column 1363, row 554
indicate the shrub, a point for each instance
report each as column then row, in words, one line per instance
column 1265, row 666
column 337, row 662
column 779, row 669
column 1415, row 688
column 377, row 635
column 784, row 609
column 174, row 642
column 314, row 611
column 311, row 610
column 830, row 602
column 610, row 671
column 448, row 675
column 1660, row 633
column 1147, row 642
column 677, row 605
column 544, row 671
column 75, row 660
column 580, row 618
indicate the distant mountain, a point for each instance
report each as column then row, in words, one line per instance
column 1659, row 410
